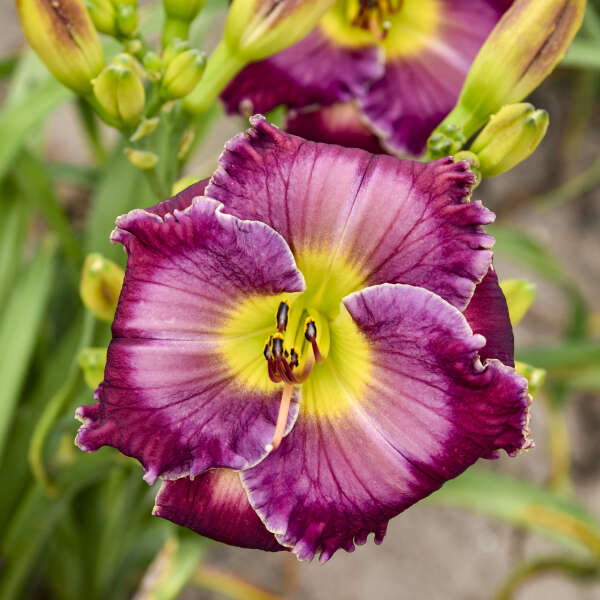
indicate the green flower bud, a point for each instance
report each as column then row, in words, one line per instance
column 103, row 15
column 120, row 92
column 183, row 10
column 146, row 127
column 509, row 138
column 254, row 30
column 522, row 50
column 153, row 65
column 62, row 34
column 535, row 377
column 183, row 74
column 179, row 15
column 127, row 19
column 92, row 362
column 175, row 48
column 519, row 294
column 141, row 158
column 100, row 286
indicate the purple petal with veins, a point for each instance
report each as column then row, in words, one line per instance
column 316, row 70
column 396, row 221
column 168, row 398
column 429, row 411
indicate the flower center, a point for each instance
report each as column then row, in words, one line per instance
column 399, row 27
column 373, row 15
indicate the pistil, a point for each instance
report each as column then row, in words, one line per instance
column 282, row 417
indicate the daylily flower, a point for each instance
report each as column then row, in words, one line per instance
column 376, row 75
column 308, row 344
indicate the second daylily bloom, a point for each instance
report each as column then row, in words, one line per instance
column 308, row 344
column 377, row 75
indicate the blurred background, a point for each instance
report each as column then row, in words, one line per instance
column 80, row 528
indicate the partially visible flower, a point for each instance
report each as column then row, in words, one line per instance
column 386, row 72
column 254, row 30
column 308, row 344
column 63, row 36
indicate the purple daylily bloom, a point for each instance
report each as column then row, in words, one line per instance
column 345, row 85
column 308, row 344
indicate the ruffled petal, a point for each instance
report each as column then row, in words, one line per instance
column 169, row 396
column 316, row 70
column 487, row 314
column 428, row 410
column 336, row 124
column 389, row 220
column 215, row 505
column 419, row 89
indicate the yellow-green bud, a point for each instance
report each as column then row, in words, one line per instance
column 153, row 65
column 519, row 294
column 146, row 127
column 63, row 36
column 178, row 16
column 183, row 74
column 120, row 92
column 103, row 15
column 524, row 47
column 254, row 30
column 141, row 159
column 184, row 10
column 535, row 377
column 92, row 362
column 175, row 48
column 127, row 19
column 510, row 137
column 100, row 286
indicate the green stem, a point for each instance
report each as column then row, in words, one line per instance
column 156, row 183
column 539, row 566
column 559, row 446
column 91, row 129
column 175, row 28
column 222, row 66
column 54, row 408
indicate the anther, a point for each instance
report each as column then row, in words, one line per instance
column 267, row 351
column 310, row 333
column 282, row 315
column 277, row 346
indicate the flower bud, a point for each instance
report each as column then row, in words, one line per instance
column 509, row 138
column 103, row 15
column 183, row 10
column 100, row 286
column 127, row 19
column 153, row 65
column 92, row 362
column 178, row 16
column 535, row 377
column 62, row 34
column 519, row 294
column 522, row 50
column 254, row 30
column 142, row 159
column 120, row 92
column 183, row 74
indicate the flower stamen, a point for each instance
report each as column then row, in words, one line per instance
column 282, row 315
column 282, row 417
column 310, row 333
column 372, row 16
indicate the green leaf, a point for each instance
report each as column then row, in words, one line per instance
column 12, row 234
column 583, row 54
column 21, row 321
column 520, row 295
column 17, row 120
column 524, row 505
column 172, row 568
column 36, row 517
